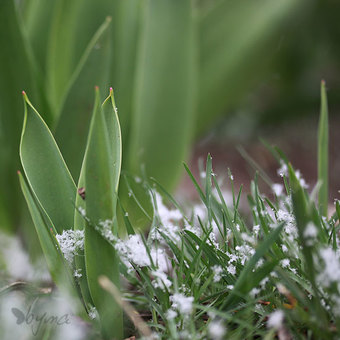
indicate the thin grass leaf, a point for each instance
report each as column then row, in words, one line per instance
column 302, row 212
column 255, row 166
column 136, row 199
column 244, row 284
column 209, row 251
column 323, row 152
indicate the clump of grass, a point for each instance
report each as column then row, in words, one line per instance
column 222, row 275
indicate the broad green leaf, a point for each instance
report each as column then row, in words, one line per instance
column 59, row 269
column 323, row 152
column 45, row 169
column 73, row 25
column 161, row 125
column 37, row 16
column 101, row 197
column 112, row 123
column 15, row 74
column 75, row 115
column 236, row 44
column 59, row 51
column 126, row 33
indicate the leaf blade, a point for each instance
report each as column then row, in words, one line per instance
column 45, row 169
column 323, row 152
column 101, row 195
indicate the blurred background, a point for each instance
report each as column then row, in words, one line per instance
column 190, row 77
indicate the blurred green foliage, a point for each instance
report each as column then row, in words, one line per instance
column 175, row 65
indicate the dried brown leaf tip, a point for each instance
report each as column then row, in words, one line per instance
column 81, row 192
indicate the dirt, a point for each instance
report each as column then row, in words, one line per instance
column 297, row 139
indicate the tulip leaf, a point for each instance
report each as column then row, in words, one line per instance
column 45, row 170
column 101, row 168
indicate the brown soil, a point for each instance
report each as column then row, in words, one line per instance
column 297, row 139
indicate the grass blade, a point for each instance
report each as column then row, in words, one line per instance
column 323, row 152
column 243, row 285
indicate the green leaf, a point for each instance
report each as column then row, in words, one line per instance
column 126, row 22
column 135, row 198
column 16, row 74
column 115, row 138
column 76, row 108
column 323, row 152
column 236, row 44
column 37, row 16
column 164, row 96
column 45, row 170
column 60, row 272
column 113, row 128
column 101, row 165
column 60, row 49
column 79, row 224
column 303, row 215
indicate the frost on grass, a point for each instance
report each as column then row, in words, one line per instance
column 277, row 189
column 92, row 313
column 182, row 303
column 275, row 319
column 330, row 272
column 169, row 220
column 171, row 314
column 77, row 273
column 238, row 243
column 216, row 330
column 283, row 170
column 290, row 228
column 133, row 250
column 310, row 233
column 167, row 216
column 15, row 262
column 71, row 242
column 217, row 270
column 161, row 280
column 105, row 228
